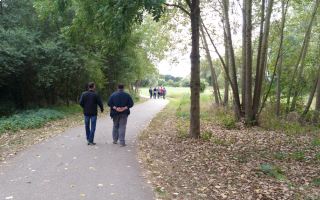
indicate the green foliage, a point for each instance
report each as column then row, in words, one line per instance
column 161, row 82
column 203, row 85
column 272, row 171
column 315, row 141
column 207, row 135
column 29, row 119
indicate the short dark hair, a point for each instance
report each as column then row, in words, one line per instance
column 91, row 85
column 120, row 86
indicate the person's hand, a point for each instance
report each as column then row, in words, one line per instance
column 120, row 109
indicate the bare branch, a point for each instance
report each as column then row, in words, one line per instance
column 175, row 5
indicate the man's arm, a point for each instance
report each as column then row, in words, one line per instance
column 110, row 103
column 81, row 102
column 130, row 103
column 99, row 102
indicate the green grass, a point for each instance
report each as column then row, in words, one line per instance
column 178, row 93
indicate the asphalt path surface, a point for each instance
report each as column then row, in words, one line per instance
column 65, row 167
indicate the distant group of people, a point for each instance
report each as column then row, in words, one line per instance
column 160, row 92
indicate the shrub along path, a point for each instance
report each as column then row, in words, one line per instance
column 64, row 167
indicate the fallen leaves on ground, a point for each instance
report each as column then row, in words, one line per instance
column 228, row 165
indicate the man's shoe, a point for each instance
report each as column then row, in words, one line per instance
column 115, row 142
column 122, row 145
column 92, row 143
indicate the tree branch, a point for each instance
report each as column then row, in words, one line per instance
column 175, row 5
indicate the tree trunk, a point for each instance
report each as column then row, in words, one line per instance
column 280, row 62
column 244, row 54
column 317, row 108
column 313, row 90
column 195, row 71
column 262, row 63
column 233, row 86
column 213, row 74
column 232, row 61
column 226, row 82
column 303, row 52
column 248, row 89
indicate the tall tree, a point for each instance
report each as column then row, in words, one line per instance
column 195, row 70
column 280, row 61
column 262, row 61
column 244, row 53
column 225, row 5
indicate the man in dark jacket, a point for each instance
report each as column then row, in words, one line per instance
column 89, row 101
column 120, row 102
column 150, row 91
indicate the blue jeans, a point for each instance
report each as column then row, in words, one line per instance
column 155, row 95
column 150, row 95
column 119, row 128
column 90, row 133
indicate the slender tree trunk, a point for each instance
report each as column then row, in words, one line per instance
column 262, row 63
column 232, row 61
column 317, row 108
column 302, row 52
column 233, row 86
column 244, row 54
column 226, row 82
column 195, row 72
column 280, row 62
column 313, row 90
column 248, row 89
column 213, row 74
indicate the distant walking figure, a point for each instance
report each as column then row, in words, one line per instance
column 164, row 92
column 89, row 101
column 120, row 102
column 155, row 92
column 159, row 92
column 150, row 91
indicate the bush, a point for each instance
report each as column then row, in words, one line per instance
column 176, row 84
column 203, row 85
column 29, row 119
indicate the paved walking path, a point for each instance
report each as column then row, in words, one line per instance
column 65, row 167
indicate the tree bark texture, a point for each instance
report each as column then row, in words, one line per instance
column 262, row 63
column 302, row 52
column 232, row 60
column 213, row 73
column 244, row 54
column 195, row 72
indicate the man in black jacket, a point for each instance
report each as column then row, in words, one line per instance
column 120, row 102
column 89, row 101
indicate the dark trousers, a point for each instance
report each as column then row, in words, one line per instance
column 119, row 128
column 90, row 133
column 159, row 95
column 150, row 95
